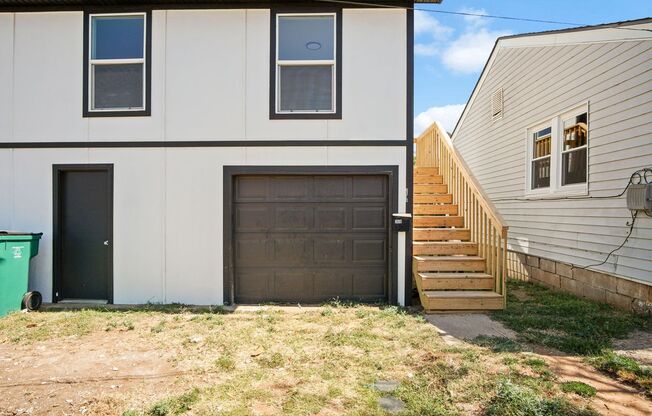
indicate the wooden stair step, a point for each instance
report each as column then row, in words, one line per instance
column 427, row 209
column 457, row 281
column 450, row 263
column 428, row 170
column 428, row 179
column 441, row 234
column 438, row 221
column 430, row 189
column 461, row 300
column 433, row 198
column 444, row 247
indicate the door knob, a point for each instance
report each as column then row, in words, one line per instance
column 106, row 243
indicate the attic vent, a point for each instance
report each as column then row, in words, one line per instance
column 497, row 104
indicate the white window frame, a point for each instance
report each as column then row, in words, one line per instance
column 327, row 62
column 95, row 62
column 556, row 188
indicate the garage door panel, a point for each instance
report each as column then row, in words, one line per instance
column 253, row 285
column 369, row 218
column 252, row 250
column 292, row 250
column 293, row 285
column 369, row 251
column 369, row 284
column 334, row 283
column 290, row 188
column 311, row 238
column 252, row 218
column 252, row 188
column 368, row 188
column 330, row 250
column 332, row 187
column 331, row 218
column 288, row 218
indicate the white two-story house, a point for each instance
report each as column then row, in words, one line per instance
column 208, row 152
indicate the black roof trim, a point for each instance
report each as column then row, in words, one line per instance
column 80, row 4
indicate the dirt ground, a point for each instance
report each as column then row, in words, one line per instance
column 74, row 375
column 262, row 362
column 612, row 398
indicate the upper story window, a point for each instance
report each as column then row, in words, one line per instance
column 306, row 65
column 117, row 51
column 557, row 154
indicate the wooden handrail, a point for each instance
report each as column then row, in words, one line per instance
column 434, row 148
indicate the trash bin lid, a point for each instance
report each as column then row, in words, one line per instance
column 18, row 233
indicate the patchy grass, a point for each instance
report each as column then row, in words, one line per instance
column 564, row 321
column 498, row 344
column 513, row 400
column 579, row 388
column 624, row 368
column 576, row 326
column 320, row 361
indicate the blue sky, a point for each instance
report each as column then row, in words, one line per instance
column 450, row 50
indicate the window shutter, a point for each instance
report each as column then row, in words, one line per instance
column 497, row 105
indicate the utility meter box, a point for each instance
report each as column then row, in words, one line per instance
column 639, row 197
column 401, row 222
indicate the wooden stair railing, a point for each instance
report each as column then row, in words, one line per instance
column 460, row 240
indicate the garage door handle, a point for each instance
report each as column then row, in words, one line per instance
column 106, row 243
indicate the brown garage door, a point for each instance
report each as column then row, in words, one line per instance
column 310, row 238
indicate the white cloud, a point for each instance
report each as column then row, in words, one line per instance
column 426, row 49
column 474, row 20
column 469, row 52
column 447, row 115
column 425, row 24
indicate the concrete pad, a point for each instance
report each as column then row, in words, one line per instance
column 637, row 345
column 455, row 328
column 391, row 404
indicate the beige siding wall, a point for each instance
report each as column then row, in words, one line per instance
column 615, row 78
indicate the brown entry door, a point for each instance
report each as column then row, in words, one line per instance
column 310, row 238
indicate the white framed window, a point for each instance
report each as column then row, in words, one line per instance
column 557, row 154
column 306, row 63
column 117, row 63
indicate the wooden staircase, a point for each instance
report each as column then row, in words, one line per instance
column 459, row 251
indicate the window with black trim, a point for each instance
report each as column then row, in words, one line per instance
column 117, row 69
column 305, row 76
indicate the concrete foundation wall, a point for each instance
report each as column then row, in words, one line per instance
column 623, row 293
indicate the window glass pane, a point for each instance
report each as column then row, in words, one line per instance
column 573, row 167
column 542, row 141
column 306, row 37
column 541, row 173
column 117, row 37
column 575, row 132
column 117, row 86
column 306, row 88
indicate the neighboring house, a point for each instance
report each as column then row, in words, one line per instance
column 555, row 127
column 208, row 152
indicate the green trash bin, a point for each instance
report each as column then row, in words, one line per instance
column 16, row 250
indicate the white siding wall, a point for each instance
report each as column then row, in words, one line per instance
column 539, row 82
column 167, row 211
column 210, row 79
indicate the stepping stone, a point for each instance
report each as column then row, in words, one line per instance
column 391, row 404
column 385, row 386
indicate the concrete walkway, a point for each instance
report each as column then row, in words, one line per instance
column 456, row 328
